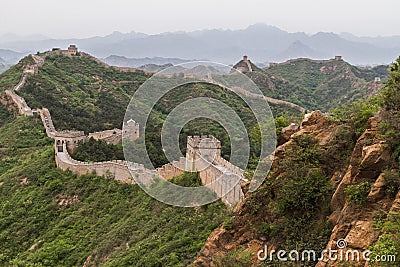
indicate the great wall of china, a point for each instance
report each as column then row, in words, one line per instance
column 294, row 61
column 245, row 67
column 210, row 169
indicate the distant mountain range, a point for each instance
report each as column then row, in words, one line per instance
column 10, row 57
column 262, row 43
column 138, row 62
column 3, row 66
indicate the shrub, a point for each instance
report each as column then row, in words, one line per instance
column 392, row 182
column 234, row 258
column 268, row 229
column 357, row 113
column 304, row 194
column 229, row 223
column 391, row 93
column 98, row 150
column 357, row 194
column 388, row 243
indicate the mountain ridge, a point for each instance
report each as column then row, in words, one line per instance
column 262, row 42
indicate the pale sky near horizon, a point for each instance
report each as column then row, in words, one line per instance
column 85, row 18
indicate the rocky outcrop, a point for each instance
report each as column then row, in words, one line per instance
column 223, row 240
column 370, row 157
column 289, row 130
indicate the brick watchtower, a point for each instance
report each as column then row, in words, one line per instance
column 202, row 150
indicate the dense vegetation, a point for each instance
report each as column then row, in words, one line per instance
column 12, row 76
column 53, row 218
column 81, row 93
column 389, row 224
column 5, row 115
column 94, row 151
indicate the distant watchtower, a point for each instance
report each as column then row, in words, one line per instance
column 244, row 66
column 131, row 130
column 338, row 57
column 202, row 150
column 72, row 50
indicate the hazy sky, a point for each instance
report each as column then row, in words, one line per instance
column 82, row 18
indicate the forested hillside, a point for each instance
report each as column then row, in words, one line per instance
column 322, row 85
column 53, row 218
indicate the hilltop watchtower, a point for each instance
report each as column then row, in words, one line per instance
column 202, row 150
column 244, row 66
column 72, row 50
column 131, row 130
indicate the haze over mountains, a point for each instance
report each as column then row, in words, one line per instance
column 262, row 43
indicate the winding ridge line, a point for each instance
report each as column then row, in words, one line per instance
column 271, row 100
column 120, row 169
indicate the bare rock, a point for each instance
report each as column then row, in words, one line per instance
column 336, row 178
column 378, row 190
column 361, row 235
column 396, row 204
column 35, row 246
column 289, row 130
column 338, row 199
column 334, row 217
column 315, row 117
column 375, row 156
column 64, row 200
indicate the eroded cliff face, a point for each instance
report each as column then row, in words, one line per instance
column 370, row 157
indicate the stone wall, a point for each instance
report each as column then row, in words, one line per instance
column 70, row 138
column 113, row 136
column 23, row 108
column 172, row 169
column 218, row 178
column 203, row 152
column 229, row 166
column 219, row 175
column 131, row 130
column 120, row 170
column 47, row 122
column 224, row 183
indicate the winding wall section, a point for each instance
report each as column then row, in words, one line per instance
column 123, row 171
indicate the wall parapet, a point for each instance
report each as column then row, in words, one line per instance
column 23, row 108
column 120, row 170
column 196, row 140
column 47, row 122
column 231, row 167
